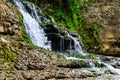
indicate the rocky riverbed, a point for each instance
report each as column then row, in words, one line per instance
column 21, row 61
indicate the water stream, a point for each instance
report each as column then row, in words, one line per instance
column 33, row 27
column 34, row 20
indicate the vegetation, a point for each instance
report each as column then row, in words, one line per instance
column 107, row 72
column 24, row 35
column 94, row 59
column 6, row 53
column 85, row 2
column 80, row 56
column 68, row 13
column 93, row 56
column 7, row 57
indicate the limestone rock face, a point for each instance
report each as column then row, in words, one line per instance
column 107, row 15
column 8, row 18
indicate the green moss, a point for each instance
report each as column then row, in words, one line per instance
column 75, row 21
column 94, row 4
column 94, row 59
column 7, row 57
column 95, row 75
column 96, row 63
column 93, row 56
column 84, row 3
column 10, row 56
column 77, row 63
column 59, row 55
column 80, row 56
column 107, row 72
column 90, row 36
column 69, row 15
column 6, row 53
column 24, row 35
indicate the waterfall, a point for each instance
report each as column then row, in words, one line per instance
column 77, row 47
column 34, row 22
column 33, row 27
column 49, row 38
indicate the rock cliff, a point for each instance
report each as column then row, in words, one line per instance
column 107, row 15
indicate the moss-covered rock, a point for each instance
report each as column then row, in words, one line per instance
column 70, row 15
column 97, row 22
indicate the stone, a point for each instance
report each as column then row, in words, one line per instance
column 4, row 40
column 37, row 63
column 6, row 24
column 1, row 29
column 108, row 17
column 9, row 21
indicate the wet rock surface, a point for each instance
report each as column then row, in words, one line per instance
column 114, row 61
column 59, row 38
column 19, row 61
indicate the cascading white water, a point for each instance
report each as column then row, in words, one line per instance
column 32, row 22
column 111, row 68
column 77, row 46
column 33, row 27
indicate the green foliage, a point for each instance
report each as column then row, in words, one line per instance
column 85, row 3
column 74, row 20
column 9, row 55
column 69, row 14
column 96, row 63
column 107, row 72
column 90, row 35
column 93, row 56
column 94, row 4
column 75, row 13
column 94, row 59
column 6, row 53
column 80, row 56
column 20, row 17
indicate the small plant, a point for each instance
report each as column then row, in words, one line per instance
column 71, row 17
column 107, row 72
column 92, row 56
column 5, row 52
column 96, row 63
column 85, row 3
column 80, row 56
column 94, row 59
column 94, row 4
